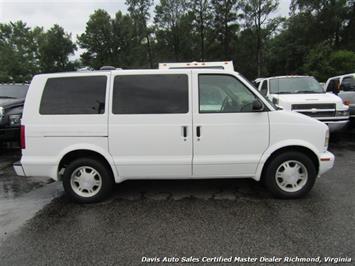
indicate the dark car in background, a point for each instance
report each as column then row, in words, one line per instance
column 12, row 98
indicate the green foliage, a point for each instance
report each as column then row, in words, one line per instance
column 54, row 48
column 225, row 27
column 25, row 52
column 97, row 40
column 317, row 39
column 315, row 31
column 342, row 61
column 201, row 12
column 256, row 17
column 170, row 18
column 18, row 54
column 139, row 12
column 318, row 63
column 322, row 62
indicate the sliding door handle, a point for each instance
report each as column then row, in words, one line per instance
column 184, row 131
column 198, row 131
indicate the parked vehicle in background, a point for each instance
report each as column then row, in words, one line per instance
column 344, row 87
column 304, row 94
column 12, row 98
column 94, row 129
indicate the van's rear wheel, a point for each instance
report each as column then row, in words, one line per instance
column 290, row 175
column 87, row 180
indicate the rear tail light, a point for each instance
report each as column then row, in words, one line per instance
column 22, row 137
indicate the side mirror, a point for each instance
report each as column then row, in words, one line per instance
column 279, row 107
column 258, row 106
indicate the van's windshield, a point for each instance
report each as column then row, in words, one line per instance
column 295, row 85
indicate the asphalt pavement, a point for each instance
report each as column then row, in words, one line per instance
column 150, row 220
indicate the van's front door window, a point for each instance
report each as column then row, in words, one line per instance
column 224, row 94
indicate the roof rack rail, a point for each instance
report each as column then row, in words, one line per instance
column 107, row 68
column 226, row 65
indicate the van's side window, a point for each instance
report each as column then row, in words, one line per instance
column 224, row 94
column 74, row 95
column 348, row 84
column 150, row 94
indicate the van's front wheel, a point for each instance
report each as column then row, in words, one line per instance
column 87, row 180
column 290, row 175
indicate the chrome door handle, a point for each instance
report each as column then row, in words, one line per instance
column 198, row 131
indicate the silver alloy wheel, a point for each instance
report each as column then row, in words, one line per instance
column 291, row 176
column 86, row 181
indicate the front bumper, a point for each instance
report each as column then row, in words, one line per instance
column 326, row 162
column 19, row 169
column 336, row 125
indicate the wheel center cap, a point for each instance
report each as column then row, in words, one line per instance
column 292, row 176
column 86, row 182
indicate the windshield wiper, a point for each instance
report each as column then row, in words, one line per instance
column 309, row 92
column 7, row 97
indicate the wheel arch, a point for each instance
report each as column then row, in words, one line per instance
column 73, row 154
column 309, row 151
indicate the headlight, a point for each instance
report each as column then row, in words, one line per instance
column 1, row 113
column 342, row 113
column 15, row 120
column 326, row 141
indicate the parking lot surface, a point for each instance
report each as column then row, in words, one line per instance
column 40, row 226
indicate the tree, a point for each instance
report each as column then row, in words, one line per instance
column 168, row 17
column 123, row 45
column 18, row 52
column 55, row 47
column 322, row 62
column 256, row 16
column 348, row 38
column 317, row 62
column 245, row 52
column 202, row 15
column 139, row 11
column 342, row 61
column 330, row 17
column 108, row 41
column 97, row 40
column 224, row 25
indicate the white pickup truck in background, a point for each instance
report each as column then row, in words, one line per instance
column 305, row 95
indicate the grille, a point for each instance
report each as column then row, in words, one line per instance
column 319, row 114
column 315, row 110
column 311, row 106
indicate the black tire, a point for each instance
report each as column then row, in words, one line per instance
column 107, row 182
column 269, row 176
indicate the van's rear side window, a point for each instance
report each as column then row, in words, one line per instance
column 151, row 94
column 74, row 95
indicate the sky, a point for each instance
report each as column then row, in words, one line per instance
column 72, row 15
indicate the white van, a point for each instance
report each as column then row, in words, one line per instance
column 304, row 94
column 94, row 129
